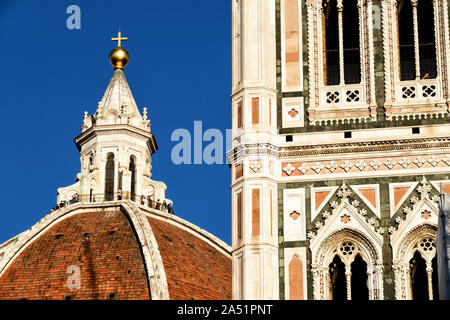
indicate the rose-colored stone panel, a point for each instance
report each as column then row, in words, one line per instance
column 295, row 279
column 370, row 195
column 255, row 212
column 291, row 35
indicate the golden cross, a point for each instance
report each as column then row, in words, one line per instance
column 119, row 39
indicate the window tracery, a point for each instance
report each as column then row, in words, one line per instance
column 341, row 65
column 415, row 265
column 415, row 40
column 346, row 267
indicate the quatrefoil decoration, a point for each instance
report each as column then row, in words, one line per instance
column 429, row 91
column 408, row 92
column 333, row 97
column 352, row 96
column 294, row 215
column 293, row 113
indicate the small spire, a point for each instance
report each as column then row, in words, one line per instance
column 145, row 119
column 144, row 114
column 86, row 124
column 99, row 109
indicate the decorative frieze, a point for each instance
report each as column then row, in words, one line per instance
column 357, row 166
column 380, row 145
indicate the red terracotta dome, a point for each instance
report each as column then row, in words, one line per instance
column 120, row 251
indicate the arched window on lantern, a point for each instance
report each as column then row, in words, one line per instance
column 132, row 169
column 109, row 177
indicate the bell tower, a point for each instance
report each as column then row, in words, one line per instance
column 116, row 145
column 340, row 146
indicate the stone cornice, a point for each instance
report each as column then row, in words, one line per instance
column 104, row 129
column 360, row 147
column 236, row 154
column 252, row 88
column 337, row 148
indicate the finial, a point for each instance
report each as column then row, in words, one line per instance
column 344, row 192
column 144, row 114
column 145, row 118
column 119, row 39
column 85, row 125
column 99, row 111
column 119, row 57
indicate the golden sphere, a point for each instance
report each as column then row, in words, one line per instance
column 119, row 58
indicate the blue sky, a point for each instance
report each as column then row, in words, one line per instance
column 180, row 68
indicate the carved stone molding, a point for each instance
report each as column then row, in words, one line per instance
column 401, row 163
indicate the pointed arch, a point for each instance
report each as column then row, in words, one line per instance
column 418, row 241
column 408, row 245
column 347, row 244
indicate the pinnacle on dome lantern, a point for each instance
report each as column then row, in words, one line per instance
column 116, row 145
column 118, row 105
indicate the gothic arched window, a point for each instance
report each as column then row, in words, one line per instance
column 348, row 274
column 341, row 42
column 416, row 40
column 109, row 178
column 133, row 178
column 423, row 271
